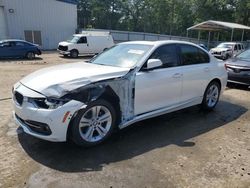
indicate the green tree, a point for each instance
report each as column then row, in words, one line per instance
column 160, row 16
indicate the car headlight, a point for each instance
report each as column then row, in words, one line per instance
column 47, row 103
column 54, row 103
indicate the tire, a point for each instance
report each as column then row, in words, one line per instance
column 30, row 55
column 210, row 100
column 74, row 53
column 88, row 129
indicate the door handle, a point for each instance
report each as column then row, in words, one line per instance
column 177, row 75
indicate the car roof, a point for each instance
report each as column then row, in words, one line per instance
column 159, row 43
column 91, row 34
column 12, row 40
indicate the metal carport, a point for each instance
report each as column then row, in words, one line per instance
column 212, row 25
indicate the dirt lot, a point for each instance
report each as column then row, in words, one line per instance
column 189, row 148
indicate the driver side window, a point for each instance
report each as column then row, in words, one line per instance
column 82, row 40
column 167, row 54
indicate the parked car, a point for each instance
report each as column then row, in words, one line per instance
column 89, row 43
column 13, row 48
column 227, row 49
column 128, row 83
column 238, row 69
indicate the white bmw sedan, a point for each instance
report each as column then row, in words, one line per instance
column 128, row 83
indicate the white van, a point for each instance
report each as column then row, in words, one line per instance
column 87, row 43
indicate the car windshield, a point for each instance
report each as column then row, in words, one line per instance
column 244, row 55
column 122, row 55
column 224, row 45
column 73, row 39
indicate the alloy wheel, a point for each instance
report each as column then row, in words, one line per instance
column 95, row 123
column 212, row 95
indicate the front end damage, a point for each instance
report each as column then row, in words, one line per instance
column 35, row 115
column 119, row 89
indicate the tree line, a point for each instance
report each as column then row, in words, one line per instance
column 170, row 17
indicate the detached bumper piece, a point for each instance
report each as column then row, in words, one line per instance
column 37, row 127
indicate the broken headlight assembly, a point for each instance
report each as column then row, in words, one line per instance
column 47, row 103
column 54, row 103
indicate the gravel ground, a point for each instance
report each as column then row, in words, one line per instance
column 188, row 148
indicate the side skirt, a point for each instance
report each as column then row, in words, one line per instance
column 162, row 111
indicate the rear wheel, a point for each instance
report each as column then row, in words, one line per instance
column 74, row 53
column 30, row 55
column 94, row 124
column 211, row 96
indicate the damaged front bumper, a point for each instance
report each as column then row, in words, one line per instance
column 47, row 124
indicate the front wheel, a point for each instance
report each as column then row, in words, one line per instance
column 94, row 124
column 211, row 96
column 74, row 53
column 30, row 55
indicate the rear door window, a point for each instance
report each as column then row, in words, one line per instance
column 20, row 44
column 191, row 55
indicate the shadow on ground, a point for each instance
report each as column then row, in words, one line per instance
column 175, row 128
column 238, row 86
column 20, row 59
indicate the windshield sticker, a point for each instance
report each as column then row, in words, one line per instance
column 138, row 52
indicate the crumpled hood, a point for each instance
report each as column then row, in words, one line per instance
column 219, row 49
column 56, row 81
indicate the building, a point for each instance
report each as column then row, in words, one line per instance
column 44, row 22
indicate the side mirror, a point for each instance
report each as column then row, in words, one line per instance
column 153, row 63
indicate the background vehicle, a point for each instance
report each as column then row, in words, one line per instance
column 18, row 48
column 238, row 69
column 204, row 47
column 86, row 101
column 88, row 43
column 227, row 49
